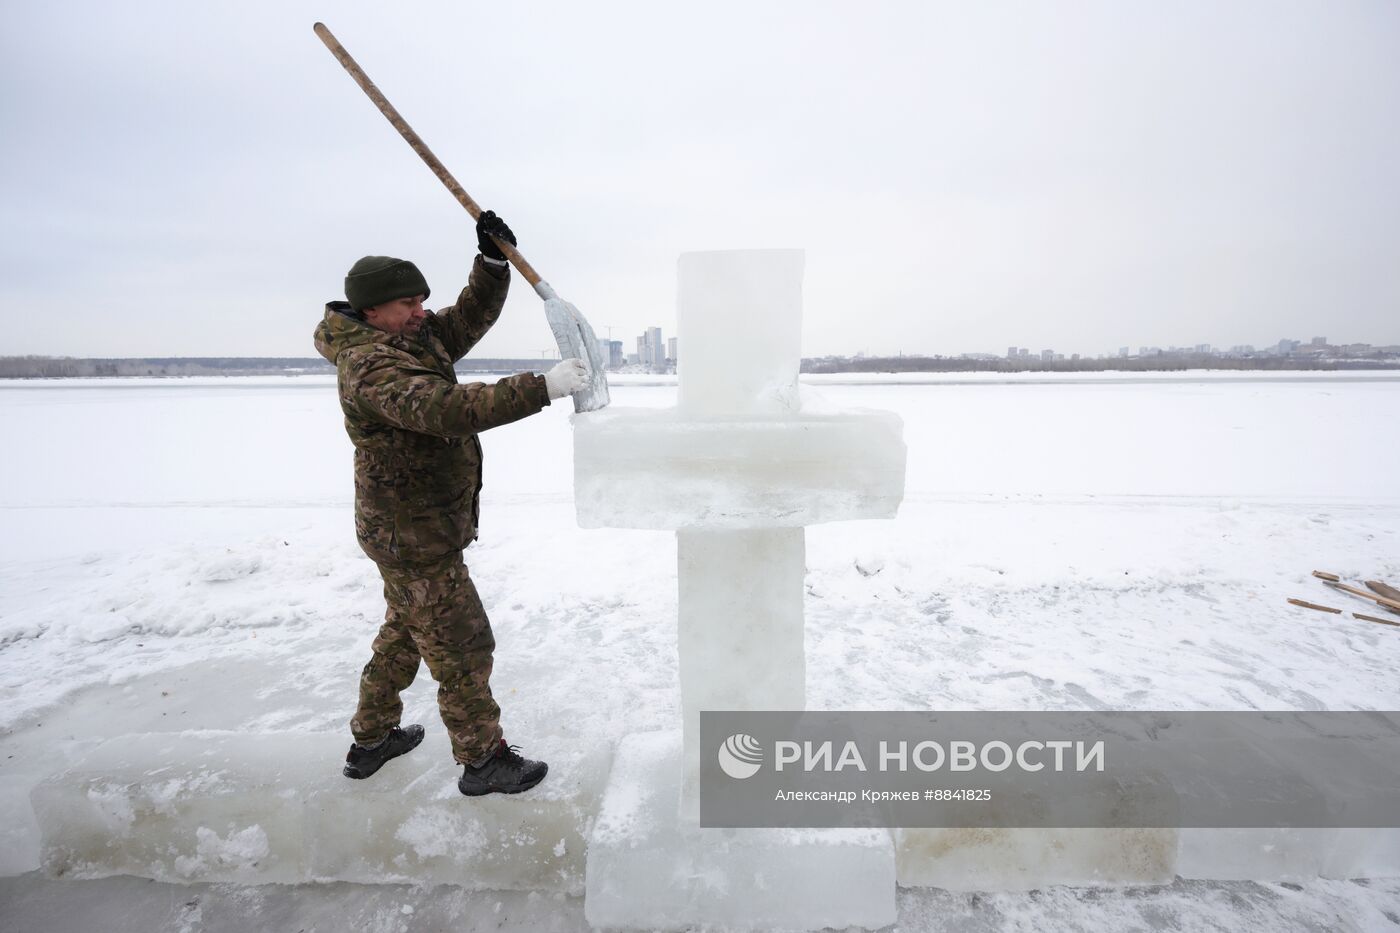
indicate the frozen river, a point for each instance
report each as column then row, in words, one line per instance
column 278, row 441
column 179, row 554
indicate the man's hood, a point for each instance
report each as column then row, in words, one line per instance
column 340, row 330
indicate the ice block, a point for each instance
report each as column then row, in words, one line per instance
column 1252, row 854
column 658, row 469
column 741, row 641
column 739, row 331
column 737, row 469
column 650, row 869
column 1024, row 859
column 274, row 808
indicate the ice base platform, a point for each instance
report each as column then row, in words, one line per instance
column 649, row 868
column 274, row 808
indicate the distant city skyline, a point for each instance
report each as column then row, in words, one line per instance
column 654, row 350
column 650, row 353
column 1283, row 346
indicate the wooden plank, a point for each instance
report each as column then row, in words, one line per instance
column 1324, row 575
column 1392, row 604
column 1374, row 619
column 1308, row 605
column 1382, row 589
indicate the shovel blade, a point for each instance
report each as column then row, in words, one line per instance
column 576, row 340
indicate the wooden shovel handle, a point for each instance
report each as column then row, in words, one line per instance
column 420, row 147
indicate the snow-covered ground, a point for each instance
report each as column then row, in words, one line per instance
column 179, row 554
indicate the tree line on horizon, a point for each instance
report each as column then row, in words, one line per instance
column 1157, row 363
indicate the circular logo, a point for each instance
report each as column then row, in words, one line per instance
column 740, row 756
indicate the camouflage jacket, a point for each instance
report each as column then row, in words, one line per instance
column 417, row 457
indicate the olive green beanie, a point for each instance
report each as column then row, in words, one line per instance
column 374, row 280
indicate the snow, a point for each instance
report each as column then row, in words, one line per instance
column 179, row 554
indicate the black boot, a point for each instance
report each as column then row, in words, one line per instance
column 361, row 762
column 505, row 772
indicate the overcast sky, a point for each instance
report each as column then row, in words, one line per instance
column 195, row 179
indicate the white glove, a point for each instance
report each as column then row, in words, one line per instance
column 566, row 378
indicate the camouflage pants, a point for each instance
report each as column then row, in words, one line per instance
column 433, row 613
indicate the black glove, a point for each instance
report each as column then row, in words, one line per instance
column 487, row 226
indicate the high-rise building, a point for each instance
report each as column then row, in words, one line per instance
column 656, row 348
column 1011, row 353
column 611, row 351
column 671, row 349
column 651, row 350
column 1047, row 356
column 1123, row 351
column 1319, row 341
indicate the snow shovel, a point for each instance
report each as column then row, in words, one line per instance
column 571, row 330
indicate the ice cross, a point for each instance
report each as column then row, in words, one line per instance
column 737, row 468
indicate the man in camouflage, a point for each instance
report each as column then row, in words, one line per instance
column 417, row 498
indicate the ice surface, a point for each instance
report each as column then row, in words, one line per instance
column 1021, row 859
column 1254, row 854
column 1288, row 854
column 741, row 629
column 1361, row 853
column 417, row 827
column 1026, row 859
column 648, row 869
column 249, row 808
column 19, row 831
column 186, row 807
column 1121, row 569
column 137, row 905
column 643, row 468
column 739, row 331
